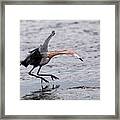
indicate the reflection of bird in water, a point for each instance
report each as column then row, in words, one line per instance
column 46, row 92
column 41, row 56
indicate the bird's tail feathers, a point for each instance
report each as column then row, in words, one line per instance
column 24, row 63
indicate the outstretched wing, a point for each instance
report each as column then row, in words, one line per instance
column 33, row 50
column 44, row 47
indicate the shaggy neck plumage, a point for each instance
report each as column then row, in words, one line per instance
column 54, row 53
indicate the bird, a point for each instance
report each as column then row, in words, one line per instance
column 40, row 56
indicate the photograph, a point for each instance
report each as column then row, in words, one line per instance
column 60, row 59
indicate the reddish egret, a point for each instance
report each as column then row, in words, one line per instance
column 41, row 56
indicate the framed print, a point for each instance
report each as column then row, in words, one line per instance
column 60, row 59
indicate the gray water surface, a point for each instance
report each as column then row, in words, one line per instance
column 77, row 80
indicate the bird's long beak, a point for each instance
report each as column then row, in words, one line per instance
column 81, row 59
column 77, row 56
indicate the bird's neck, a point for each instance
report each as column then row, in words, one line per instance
column 54, row 53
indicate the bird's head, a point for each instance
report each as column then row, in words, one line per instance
column 75, row 54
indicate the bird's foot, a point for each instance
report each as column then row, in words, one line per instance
column 54, row 77
column 43, row 79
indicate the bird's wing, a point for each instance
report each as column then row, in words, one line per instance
column 45, row 45
column 33, row 50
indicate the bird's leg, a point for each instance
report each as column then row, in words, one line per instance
column 52, row 76
column 41, row 88
column 42, row 79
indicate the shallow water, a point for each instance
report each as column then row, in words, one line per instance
column 77, row 80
